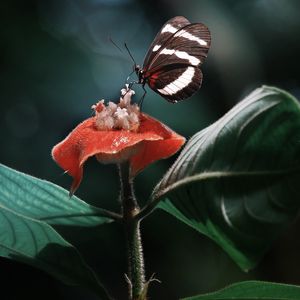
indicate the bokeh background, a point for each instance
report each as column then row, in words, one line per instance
column 56, row 61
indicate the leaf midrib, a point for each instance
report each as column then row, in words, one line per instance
column 218, row 174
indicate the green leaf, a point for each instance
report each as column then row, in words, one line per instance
column 43, row 200
column 238, row 181
column 253, row 290
column 36, row 243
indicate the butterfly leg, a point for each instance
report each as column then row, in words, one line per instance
column 128, row 77
column 142, row 99
column 131, row 84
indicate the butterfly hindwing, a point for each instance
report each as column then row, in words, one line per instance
column 176, row 82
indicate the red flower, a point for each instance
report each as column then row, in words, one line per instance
column 113, row 138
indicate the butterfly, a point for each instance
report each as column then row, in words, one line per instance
column 172, row 64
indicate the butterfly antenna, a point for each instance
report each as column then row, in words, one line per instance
column 130, row 54
column 111, row 40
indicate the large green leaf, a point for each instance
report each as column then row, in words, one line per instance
column 238, row 181
column 43, row 200
column 253, row 290
column 36, row 243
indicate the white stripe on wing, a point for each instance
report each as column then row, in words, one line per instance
column 180, row 83
column 156, row 47
column 183, row 33
column 169, row 28
column 182, row 54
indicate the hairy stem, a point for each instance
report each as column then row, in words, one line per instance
column 130, row 208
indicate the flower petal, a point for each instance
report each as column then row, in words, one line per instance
column 154, row 150
column 110, row 145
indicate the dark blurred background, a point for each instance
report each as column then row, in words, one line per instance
column 56, row 61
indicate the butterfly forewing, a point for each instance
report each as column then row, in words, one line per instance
column 171, row 66
column 188, row 45
column 168, row 29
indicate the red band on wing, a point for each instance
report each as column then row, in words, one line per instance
column 152, row 78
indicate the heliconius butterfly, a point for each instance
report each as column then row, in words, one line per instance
column 172, row 65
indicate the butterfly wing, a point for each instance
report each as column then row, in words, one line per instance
column 173, row 71
column 176, row 82
column 189, row 45
column 163, row 35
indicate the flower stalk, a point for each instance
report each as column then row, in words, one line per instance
column 130, row 208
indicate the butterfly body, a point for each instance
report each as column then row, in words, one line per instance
column 172, row 64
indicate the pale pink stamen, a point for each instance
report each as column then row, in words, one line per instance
column 122, row 115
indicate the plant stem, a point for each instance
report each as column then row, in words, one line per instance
column 130, row 209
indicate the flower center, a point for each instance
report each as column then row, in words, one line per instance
column 122, row 115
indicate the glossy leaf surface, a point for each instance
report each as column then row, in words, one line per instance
column 237, row 181
column 43, row 200
column 253, row 290
column 34, row 242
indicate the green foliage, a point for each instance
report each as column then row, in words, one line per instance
column 237, row 181
column 43, row 200
column 36, row 243
column 253, row 290
column 27, row 206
